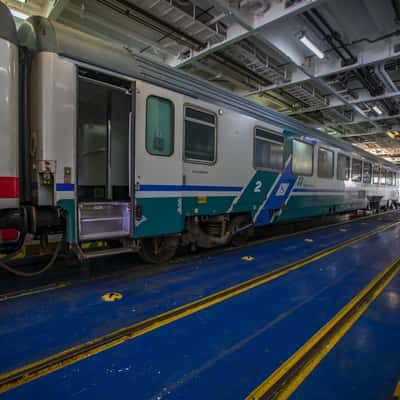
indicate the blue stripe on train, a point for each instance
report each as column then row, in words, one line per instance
column 65, row 187
column 70, row 187
column 188, row 188
column 280, row 193
column 320, row 190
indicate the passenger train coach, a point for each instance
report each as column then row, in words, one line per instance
column 103, row 145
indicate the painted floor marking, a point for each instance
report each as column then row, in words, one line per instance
column 288, row 377
column 396, row 393
column 112, row 296
column 30, row 292
column 37, row 369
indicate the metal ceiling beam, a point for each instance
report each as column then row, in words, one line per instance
column 364, row 97
column 358, row 120
column 370, row 132
column 385, row 78
column 105, row 23
column 367, row 54
column 284, row 47
column 246, row 25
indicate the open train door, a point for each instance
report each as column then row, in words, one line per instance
column 105, row 162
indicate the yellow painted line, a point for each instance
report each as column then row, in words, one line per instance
column 396, row 393
column 80, row 352
column 36, row 290
column 280, row 386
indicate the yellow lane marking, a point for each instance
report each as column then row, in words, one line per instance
column 80, row 352
column 247, row 258
column 30, row 292
column 112, row 296
column 396, row 393
column 276, row 386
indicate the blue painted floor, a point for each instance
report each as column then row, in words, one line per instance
column 222, row 352
column 47, row 323
column 366, row 362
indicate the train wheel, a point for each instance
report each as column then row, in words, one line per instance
column 158, row 250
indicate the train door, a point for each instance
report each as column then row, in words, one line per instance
column 104, row 157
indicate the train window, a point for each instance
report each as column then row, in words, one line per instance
column 389, row 178
column 268, row 150
column 375, row 174
column 383, row 177
column 356, row 169
column 343, row 167
column 367, row 172
column 159, row 126
column 200, row 135
column 302, row 158
column 325, row 163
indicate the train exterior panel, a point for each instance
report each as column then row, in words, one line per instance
column 9, row 175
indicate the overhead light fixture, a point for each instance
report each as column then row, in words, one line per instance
column 311, row 46
column 22, row 1
column 377, row 110
column 393, row 134
column 18, row 14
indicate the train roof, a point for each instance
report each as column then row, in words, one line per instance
column 8, row 31
column 41, row 34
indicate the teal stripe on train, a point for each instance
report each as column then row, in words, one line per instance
column 255, row 193
column 166, row 215
column 314, row 205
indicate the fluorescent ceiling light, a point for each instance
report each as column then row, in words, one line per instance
column 311, row 46
column 22, row 1
column 19, row 14
column 391, row 134
column 377, row 110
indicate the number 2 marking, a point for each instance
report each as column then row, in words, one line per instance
column 257, row 189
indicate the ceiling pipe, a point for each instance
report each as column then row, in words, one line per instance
column 333, row 37
column 135, row 13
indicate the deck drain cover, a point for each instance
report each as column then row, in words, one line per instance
column 112, row 296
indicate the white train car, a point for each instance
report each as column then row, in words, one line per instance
column 148, row 158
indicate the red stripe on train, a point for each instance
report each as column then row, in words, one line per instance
column 9, row 187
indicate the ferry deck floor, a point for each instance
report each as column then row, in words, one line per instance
column 314, row 315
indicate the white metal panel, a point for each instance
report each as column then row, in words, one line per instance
column 151, row 169
column 53, row 105
column 234, row 161
column 8, row 115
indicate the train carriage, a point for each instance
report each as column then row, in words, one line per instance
column 148, row 158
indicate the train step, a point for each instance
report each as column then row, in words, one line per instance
column 106, row 252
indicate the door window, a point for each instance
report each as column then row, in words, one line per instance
column 159, row 126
